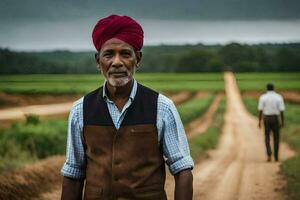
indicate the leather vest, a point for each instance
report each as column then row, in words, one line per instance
column 127, row 163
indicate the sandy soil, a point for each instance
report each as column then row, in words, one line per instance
column 19, row 100
column 180, row 97
column 31, row 180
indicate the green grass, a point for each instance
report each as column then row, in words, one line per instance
column 251, row 104
column 194, row 108
column 31, row 140
column 208, row 140
column 71, row 84
column 258, row 81
column 290, row 134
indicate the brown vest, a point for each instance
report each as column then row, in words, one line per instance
column 125, row 163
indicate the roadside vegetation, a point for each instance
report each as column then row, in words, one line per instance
column 31, row 140
column 290, row 134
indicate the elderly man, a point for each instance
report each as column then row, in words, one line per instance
column 119, row 134
column 270, row 106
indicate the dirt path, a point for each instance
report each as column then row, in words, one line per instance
column 18, row 113
column 180, row 97
column 238, row 168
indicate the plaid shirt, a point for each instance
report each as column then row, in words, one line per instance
column 171, row 135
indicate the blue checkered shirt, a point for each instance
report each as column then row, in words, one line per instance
column 171, row 135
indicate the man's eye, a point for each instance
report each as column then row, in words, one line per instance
column 107, row 55
column 127, row 54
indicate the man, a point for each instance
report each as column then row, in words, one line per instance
column 270, row 106
column 119, row 134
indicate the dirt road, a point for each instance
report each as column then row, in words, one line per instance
column 238, row 169
column 21, row 112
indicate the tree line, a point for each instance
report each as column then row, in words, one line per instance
column 164, row 58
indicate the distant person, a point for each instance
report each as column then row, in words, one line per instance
column 119, row 134
column 271, row 106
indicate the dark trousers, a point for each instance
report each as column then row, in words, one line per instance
column 271, row 123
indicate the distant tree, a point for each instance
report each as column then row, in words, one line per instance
column 195, row 61
column 239, row 57
column 288, row 60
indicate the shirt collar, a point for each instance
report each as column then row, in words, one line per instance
column 131, row 96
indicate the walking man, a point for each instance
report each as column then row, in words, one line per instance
column 120, row 134
column 270, row 107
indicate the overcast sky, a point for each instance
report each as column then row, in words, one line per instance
column 67, row 24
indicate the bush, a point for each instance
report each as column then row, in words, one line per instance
column 40, row 139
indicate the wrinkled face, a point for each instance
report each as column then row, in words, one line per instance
column 118, row 61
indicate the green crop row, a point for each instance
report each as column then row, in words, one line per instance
column 290, row 134
column 208, row 140
column 258, row 81
column 194, row 108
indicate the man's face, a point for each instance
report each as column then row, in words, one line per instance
column 117, row 61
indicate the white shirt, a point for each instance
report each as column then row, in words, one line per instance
column 271, row 103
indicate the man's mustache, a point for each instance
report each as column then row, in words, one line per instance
column 118, row 70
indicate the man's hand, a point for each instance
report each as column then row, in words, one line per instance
column 282, row 119
column 259, row 118
column 281, row 124
column 72, row 189
column 184, row 185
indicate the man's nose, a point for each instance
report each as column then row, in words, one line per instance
column 117, row 62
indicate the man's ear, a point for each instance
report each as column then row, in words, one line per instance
column 139, row 55
column 98, row 61
column 97, row 57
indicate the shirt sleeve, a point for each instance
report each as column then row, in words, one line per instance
column 260, row 103
column 281, row 105
column 173, row 139
column 75, row 164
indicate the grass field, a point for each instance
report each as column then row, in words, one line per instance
column 290, row 134
column 70, row 84
column 258, row 81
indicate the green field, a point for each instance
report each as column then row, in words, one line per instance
column 70, row 84
column 163, row 82
column 258, row 81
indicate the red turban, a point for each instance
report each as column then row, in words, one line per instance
column 121, row 27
